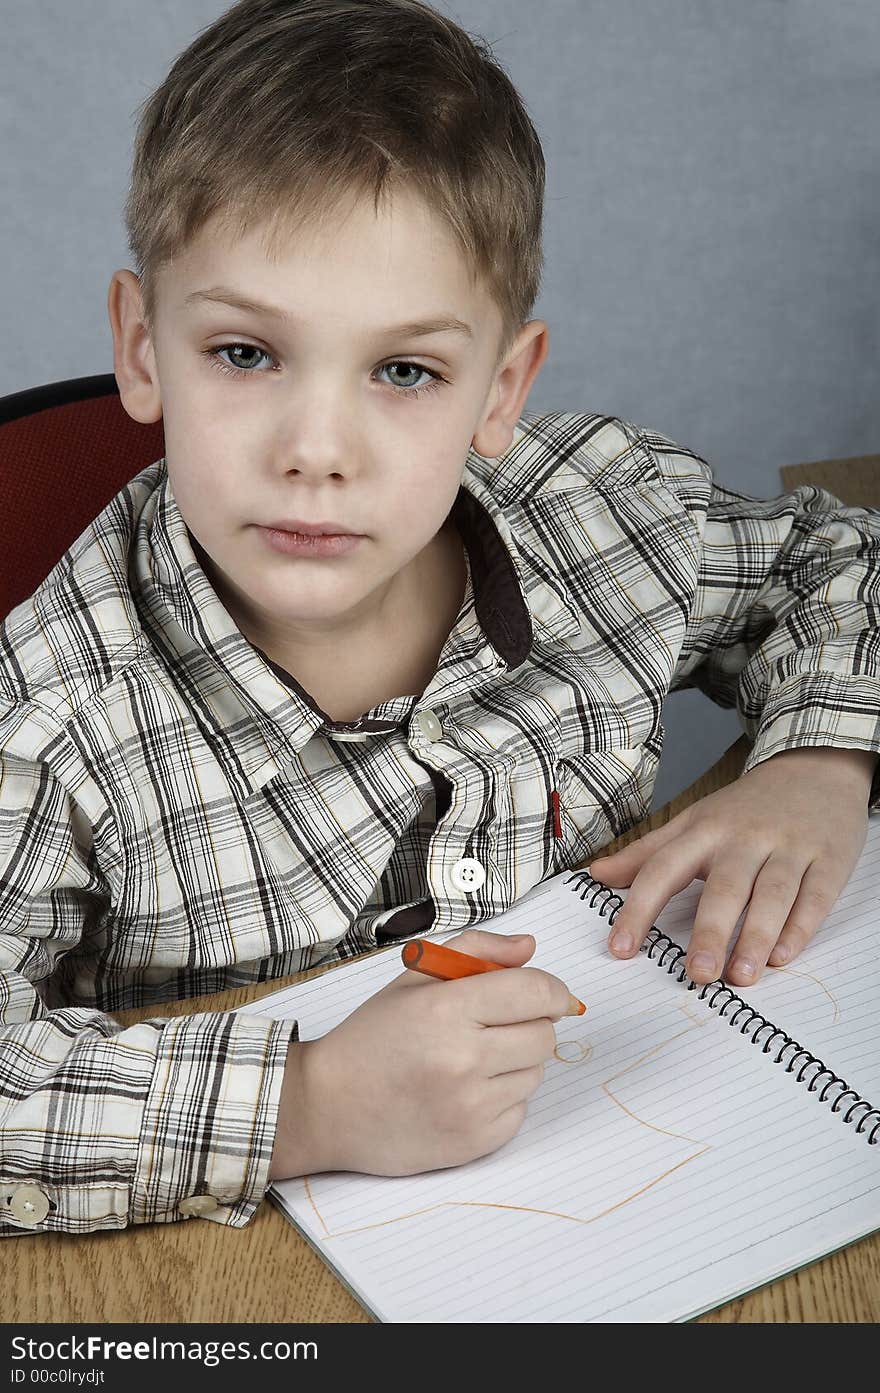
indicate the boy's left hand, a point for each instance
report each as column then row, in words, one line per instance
column 782, row 839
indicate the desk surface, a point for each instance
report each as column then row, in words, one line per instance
column 197, row 1271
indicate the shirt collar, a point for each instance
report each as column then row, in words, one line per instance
column 515, row 594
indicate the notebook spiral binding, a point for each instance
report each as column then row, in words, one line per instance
column 659, row 946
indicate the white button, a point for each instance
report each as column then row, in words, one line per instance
column 467, row 874
column 29, row 1205
column 198, row 1205
column 429, row 725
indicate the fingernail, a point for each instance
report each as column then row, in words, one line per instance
column 703, row 962
column 575, row 1007
column 780, row 955
column 621, row 942
column 744, row 967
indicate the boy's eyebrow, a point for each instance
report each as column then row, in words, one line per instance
column 223, row 295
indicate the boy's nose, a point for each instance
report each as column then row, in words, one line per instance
column 316, row 456
column 317, row 442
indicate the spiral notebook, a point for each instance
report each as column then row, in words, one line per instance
column 687, row 1143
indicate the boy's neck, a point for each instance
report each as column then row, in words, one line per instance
column 399, row 656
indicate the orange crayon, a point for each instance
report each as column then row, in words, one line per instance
column 447, row 964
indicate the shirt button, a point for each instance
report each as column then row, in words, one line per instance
column 429, row 725
column 467, row 874
column 29, row 1205
column 198, row 1205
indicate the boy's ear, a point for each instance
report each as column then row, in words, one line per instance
column 512, row 385
column 134, row 360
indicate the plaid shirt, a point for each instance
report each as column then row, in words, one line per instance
column 178, row 816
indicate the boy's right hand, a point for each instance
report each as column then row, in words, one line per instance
column 424, row 1074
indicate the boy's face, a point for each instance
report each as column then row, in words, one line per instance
column 322, row 422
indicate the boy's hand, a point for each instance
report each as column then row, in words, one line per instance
column 782, row 840
column 424, row 1074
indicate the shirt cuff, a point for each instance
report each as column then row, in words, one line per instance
column 823, row 710
column 210, row 1118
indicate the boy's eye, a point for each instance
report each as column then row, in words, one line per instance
column 399, row 367
column 248, row 348
column 407, row 369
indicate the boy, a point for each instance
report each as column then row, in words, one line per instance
column 315, row 680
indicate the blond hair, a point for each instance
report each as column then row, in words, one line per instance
column 281, row 108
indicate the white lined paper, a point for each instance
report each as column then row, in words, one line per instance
column 671, row 1169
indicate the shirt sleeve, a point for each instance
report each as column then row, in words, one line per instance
column 103, row 1126
column 785, row 619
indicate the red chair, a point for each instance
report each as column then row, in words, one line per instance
column 65, row 450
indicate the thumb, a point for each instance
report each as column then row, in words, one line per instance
column 510, row 950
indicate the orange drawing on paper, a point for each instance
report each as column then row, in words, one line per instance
column 627, row 1198
column 573, row 1051
column 798, row 972
column 698, row 1018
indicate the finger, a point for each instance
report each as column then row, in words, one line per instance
column 659, row 879
column 512, row 950
column 521, row 1046
column 818, row 892
column 502, row 1129
column 507, row 1090
column 506, row 998
column 773, row 894
column 621, row 866
column 728, row 888
column 508, row 950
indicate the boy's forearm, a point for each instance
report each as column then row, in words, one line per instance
column 296, row 1150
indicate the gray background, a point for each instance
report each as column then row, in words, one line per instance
column 711, row 225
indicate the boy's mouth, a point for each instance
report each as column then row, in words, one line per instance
column 325, row 539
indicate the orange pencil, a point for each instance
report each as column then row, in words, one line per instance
column 447, row 964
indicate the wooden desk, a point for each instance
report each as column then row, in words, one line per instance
column 199, row 1271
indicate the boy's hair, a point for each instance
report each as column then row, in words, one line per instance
column 281, row 108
